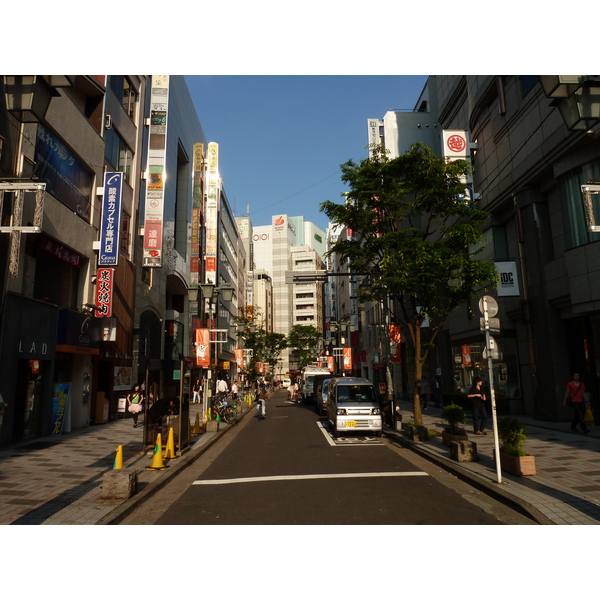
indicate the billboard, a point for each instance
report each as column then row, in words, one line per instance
column 110, row 227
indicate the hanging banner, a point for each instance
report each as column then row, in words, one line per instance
column 211, row 208
column 347, row 359
column 466, row 356
column 331, row 364
column 110, row 227
column 157, row 147
column 203, row 348
column 197, row 208
column 395, row 344
column 239, row 358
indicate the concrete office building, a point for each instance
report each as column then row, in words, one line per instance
column 532, row 147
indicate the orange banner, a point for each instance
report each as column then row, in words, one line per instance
column 202, row 348
column 239, row 358
column 331, row 364
column 395, row 341
column 466, row 356
column 347, row 359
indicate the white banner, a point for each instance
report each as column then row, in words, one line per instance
column 509, row 280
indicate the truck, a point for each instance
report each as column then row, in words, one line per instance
column 310, row 380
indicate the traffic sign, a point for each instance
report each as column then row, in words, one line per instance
column 493, row 324
column 492, row 306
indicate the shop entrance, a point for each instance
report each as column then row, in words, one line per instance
column 27, row 421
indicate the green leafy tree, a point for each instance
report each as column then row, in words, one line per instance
column 305, row 339
column 415, row 234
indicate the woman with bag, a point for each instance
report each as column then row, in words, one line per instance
column 574, row 397
column 134, row 403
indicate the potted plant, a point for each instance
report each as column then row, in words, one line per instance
column 513, row 457
column 454, row 415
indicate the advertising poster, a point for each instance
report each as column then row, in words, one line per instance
column 110, row 228
column 60, row 403
column 203, row 348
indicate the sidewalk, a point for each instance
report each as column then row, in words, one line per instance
column 566, row 488
column 56, row 480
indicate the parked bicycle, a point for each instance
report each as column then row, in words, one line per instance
column 225, row 410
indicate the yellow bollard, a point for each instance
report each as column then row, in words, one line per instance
column 118, row 464
column 170, row 450
column 157, row 459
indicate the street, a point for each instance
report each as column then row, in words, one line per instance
column 289, row 470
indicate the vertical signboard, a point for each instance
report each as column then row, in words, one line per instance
column 466, row 356
column 110, row 228
column 455, row 146
column 104, row 292
column 347, row 359
column 239, row 358
column 197, row 207
column 203, row 348
column 509, row 281
column 212, row 203
column 157, row 147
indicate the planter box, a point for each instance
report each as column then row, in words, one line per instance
column 463, row 451
column 448, row 438
column 517, row 465
column 417, row 433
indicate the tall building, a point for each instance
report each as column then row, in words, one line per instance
column 533, row 147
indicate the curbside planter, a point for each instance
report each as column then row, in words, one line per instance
column 518, row 465
column 448, row 438
column 417, row 433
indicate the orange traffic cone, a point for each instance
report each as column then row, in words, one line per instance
column 170, row 450
column 118, row 464
column 157, row 459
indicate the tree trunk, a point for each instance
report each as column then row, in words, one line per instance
column 418, row 415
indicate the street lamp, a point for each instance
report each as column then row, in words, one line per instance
column 27, row 97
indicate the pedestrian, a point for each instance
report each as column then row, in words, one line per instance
column 196, row 390
column 135, row 400
column 222, row 388
column 437, row 391
column 574, row 397
column 424, row 393
column 234, row 390
column 478, row 400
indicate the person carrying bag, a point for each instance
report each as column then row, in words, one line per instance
column 575, row 399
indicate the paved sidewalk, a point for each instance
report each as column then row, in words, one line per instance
column 56, row 480
column 566, row 488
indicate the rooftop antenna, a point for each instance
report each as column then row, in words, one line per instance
column 247, row 210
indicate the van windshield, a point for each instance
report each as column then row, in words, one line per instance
column 356, row 393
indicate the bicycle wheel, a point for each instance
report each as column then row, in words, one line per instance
column 229, row 415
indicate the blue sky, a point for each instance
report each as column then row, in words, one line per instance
column 282, row 138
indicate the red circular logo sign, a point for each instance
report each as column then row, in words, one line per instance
column 456, row 143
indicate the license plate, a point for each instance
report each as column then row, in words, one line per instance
column 350, row 423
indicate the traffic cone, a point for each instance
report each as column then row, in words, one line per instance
column 157, row 459
column 170, row 450
column 196, row 430
column 118, row 464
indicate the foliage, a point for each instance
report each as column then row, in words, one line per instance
column 305, row 339
column 454, row 414
column 416, row 236
column 512, row 434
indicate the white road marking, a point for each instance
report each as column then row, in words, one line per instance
column 332, row 442
column 303, row 477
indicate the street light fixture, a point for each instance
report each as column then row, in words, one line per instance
column 27, row 97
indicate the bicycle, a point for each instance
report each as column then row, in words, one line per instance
column 225, row 411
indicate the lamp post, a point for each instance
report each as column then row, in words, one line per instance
column 211, row 292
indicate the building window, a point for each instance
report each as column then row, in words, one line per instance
column 122, row 88
column 576, row 233
column 117, row 153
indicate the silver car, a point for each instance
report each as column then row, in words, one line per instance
column 321, row 403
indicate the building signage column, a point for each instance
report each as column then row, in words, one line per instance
column 104, row 292
column 157, row 147
column 197, row 208
column 110, row 228
column 212, row 203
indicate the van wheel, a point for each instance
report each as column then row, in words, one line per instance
column 378, row 433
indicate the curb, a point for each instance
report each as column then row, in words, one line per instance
column 116, row 516
column 522, row 506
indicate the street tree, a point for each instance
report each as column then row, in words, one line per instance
column 305, row 339
column 416, row 233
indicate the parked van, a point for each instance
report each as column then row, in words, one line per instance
column 311, row 378
column 353, row 405
column 322, row 391
column 287, row 382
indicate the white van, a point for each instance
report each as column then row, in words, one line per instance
column 287, row 382
column 353, row 405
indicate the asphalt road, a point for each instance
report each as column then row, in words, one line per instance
column 289, row 470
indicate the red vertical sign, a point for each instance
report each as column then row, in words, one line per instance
column 347, row 359
column 104, row 292
column 395, row 341
column 466, row 356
